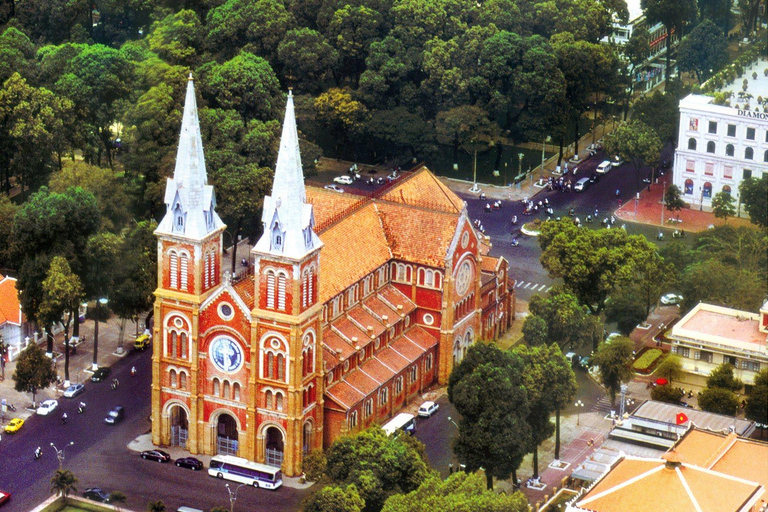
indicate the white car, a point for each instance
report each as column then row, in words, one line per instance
column 74, row 390
column 617, row 161
column 344, row 180
column 671, row 299
column 335, row 188
column 46, row 407
column 427, row 409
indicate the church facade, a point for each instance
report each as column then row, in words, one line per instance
column 353, row 307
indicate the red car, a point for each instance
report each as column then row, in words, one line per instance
column 4, row 497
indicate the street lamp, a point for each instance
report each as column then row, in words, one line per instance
column 663, row 188
column 520, row 163
column 99, row 302
column 233, row 496
column 60, row 453
column 579, row 405
column 543, row 146
column 474, row 188
column 454, row 423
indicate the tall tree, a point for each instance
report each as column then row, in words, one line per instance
column 614, row 359
column 754, row 196
column 671, row 368
column 177, row 38
column 488, row 390
column 673, row 198
column 308, row 61
column 704, row 51
column 636, row 52
column 7, row 212
column 723, row 205
column 719, row 401
column 17, row 55
column 723, row 377
column 333, row 498
column 34, row 371
column 566, row 321
column 63, row 483
column 674, row 15
column 637, row 143
column 468, row 128
column 757, row 398
column 659, row 111
column 351, row 30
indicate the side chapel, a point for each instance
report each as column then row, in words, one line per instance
column 353, row 307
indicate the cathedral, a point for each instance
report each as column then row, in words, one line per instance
column 353, row 306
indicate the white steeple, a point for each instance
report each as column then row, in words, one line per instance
column 189, row 199
column 287, row 217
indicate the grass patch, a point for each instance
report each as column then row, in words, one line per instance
column 646, row 361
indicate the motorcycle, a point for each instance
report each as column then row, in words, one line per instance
column 38, row 453
column 515, row 242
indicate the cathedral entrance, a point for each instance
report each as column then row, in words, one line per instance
column 226, row 435
column 275, row 446
column 179, row 426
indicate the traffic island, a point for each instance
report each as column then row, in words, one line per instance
column 532, row 228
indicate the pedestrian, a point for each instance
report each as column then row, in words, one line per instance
column 619, row 203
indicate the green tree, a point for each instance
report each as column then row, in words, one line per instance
column 635, row 52
column 627, row 308
column 660, row 111
column 704, row 51
column 715, row 282
column 7, row 212
column 723, row 205
column 17, row 55
column 63, row 483
column 257, row 27
column 718, row 401
column 52, row 21
column 352, row 30
column 377, row 464
column 754, row 196
column 565, row 320
column 157, row 506
column 34, row 371
column 313, row 465
column 614, row 360
column 308, row 61
column 671, row 368
column 63, row 293
column 535, row 329
column 488, row 390
column 718, row 11
column 722, row 377
column 469, row 128
column 757, row 398
column 667, row 394
column 673, row 198
column 177, row 38
column 674, row 15
column 635, row 142
column 459, row 492
column 344, row 116
column 332, row 498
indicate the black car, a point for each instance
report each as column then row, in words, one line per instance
column 96, row 494
column 100, row 374
column 115, row 415
column 594, row 178
column 189, row 462
column 158, row 455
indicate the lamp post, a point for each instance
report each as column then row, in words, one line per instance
column 663, row 188
column 99, row 302
column 454, row 423
column 60, row 453
column 543, row 147
column 579, row 405
column 520, row 163
column 474, row 188
column 233, row 496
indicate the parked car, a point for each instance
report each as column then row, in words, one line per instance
column 617, row 161
column 604, row 167
column 74, row 390
column 14, row 426
column 584, row 362
column 671, row 299
column 115, row 415
column 335, row 188
column 427, row 409
column 100, row 374
column 594, row 178
column 343, row 180
column 4, row 497
column 142, row 342
column 46, row 407
column 190, row 463
column 572, row 358
column 581, row 185
column 158, row 455
column 96, row 494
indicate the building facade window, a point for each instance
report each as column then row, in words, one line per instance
column 731, row 130
column 706, row 192
column 383, row 396
column 728, row 172
column 690, row 165
column 692, row 144
column 729, row 150
column 712, row 127
column 414, row 374
column 352, row 420
column 399, row 385
column 749, row 153
column 709, row 169
column 368, row 408
column 750, row 134
column 711, row 147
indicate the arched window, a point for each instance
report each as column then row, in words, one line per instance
column 280, row 367
column 270, row 275
column 727, row 189
column 304, row 287
column 352, row 420
column 277, row 237
column 178, row 225
column 707, row 190
column 688, row 187
column 281, row 291
column 236, row 391
column 183, row 380
column 183, row 343
column 311, row 295
column 226, row 389
column 279, row 401
column 729, row 150
column 173, row 378
column 749, row 153
column 270, row 366
column 207, row 274
column 216, row 387
column 268, row 400
column 306, row 445
column 368, row 408
column 710, row 147
column 308, row 354
column 173, row 262
column 692, row 144
column 383, row 396
column 174, row 344
column 183, row 264
column 765, row 155
column 399, row 385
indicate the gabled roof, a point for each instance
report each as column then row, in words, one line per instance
column 424, row 190
column 10, row 309
column 417, row 235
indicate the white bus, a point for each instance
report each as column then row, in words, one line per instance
column 246, row 472
column 402, row 421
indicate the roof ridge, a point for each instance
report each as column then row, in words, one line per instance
column 623, row 484
column 722, row 450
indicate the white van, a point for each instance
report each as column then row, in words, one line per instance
column 581, row 184
column 604, row 167
column 188, row 509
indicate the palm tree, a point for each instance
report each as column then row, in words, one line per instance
column 156, row 506
column 63, row 483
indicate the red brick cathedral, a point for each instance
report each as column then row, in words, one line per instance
column 354, row 306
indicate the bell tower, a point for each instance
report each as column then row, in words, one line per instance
column 286, row 316
column 189, row 247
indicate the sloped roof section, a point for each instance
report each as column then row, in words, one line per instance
column 425, row 190
column 418, row 236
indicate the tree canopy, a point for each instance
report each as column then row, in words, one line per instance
column 614, row 359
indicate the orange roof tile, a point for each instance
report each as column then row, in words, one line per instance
column 394, row 297
column 377, row 370
column 365, row 319
column 350, row 330
column 417, row 235
column 353, row 248
column 344, row 394
column 330, row 359
column 406, row 348
column 421, row 337
column 9, row 301
column 380, row 309
column 245, row 289
column 328, row 205
column 489, row 264
column 392, row 360
column 361, row 382
column 425, row 190
column 338, row 345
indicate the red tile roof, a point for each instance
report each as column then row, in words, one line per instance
column 365, row 319
column 406, row 348
column 394, row 298
column 344, row 394
column 418, row 236
column 338, row 345
column 245, row 289
column 421, row 337
column 376, row 370
column 9, row 301
column 392, row 360
column 423, row 189
column 380, row 309
column 489, row 264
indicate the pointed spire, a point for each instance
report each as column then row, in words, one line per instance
column 288, row 185
column 190, row 161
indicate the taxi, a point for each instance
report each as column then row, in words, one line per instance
column 142, row 342
column 14, row 426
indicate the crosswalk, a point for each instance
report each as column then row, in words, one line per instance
column 604, row 405
column 534, row 287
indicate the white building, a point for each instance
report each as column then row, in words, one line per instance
column 720, row 145
column 709, row 336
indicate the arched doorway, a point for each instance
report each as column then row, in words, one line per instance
column 274, row 447
column 226, row 435
column 179, row 426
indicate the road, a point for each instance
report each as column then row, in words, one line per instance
column 100, row 456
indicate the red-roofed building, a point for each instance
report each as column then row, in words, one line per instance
column 12, row 319
column 354, row 307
